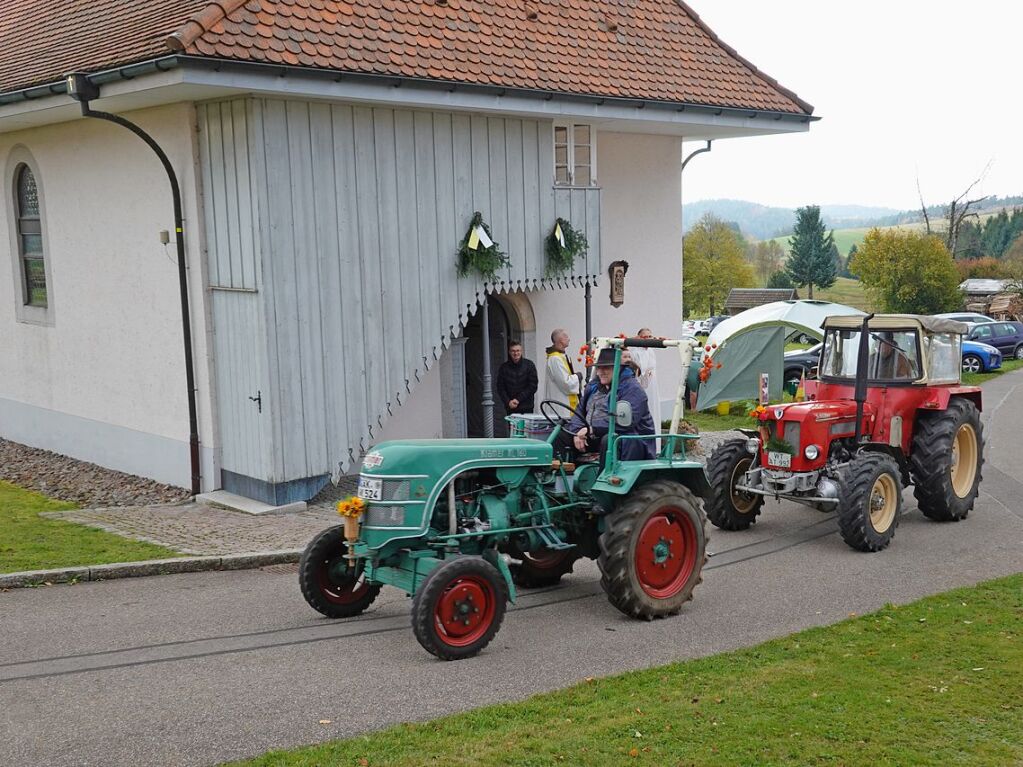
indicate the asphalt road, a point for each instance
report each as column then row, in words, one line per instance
column 200, row 668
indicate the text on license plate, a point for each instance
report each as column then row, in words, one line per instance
column 779, row 459
column 369, row 489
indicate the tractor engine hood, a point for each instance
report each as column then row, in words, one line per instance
column 815, row 412
column 442, row 458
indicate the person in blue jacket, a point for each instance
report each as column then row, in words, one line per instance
column 592, row 409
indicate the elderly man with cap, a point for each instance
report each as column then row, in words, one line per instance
column 589, row 426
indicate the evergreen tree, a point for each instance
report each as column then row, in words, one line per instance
column 848, row 260
column 810, row 260
column 780, row 279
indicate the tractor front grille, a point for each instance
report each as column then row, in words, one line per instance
column 395, row 490
column 384, row 516
column 790, row 433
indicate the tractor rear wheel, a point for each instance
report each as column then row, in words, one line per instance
column 946, row 460
column 871, row 501
column 652, row 550
column 459, row 608
column 543, row 567
column 728, row 508
column 330, row 582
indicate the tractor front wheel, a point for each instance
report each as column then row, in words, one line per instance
column 652, row 550
column 543, row 567
column 871, row 501
column 331, row 583
column 946, row 460
column 459, row 608
column 728, row 508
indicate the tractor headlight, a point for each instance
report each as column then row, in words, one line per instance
column 752, row 445
column 811, row 452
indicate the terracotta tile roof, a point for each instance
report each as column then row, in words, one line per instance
column 643, row 49
column 42, row 40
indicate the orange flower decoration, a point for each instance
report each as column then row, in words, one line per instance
column 352, row 506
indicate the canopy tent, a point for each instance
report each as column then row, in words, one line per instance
column 803, row 316
column 753, row 342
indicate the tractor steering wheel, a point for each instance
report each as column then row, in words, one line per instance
column 552, row 417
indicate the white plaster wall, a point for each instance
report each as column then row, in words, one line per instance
column 421, row 416
column 114, row 355
column 641, row 223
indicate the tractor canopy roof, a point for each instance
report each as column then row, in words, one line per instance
column 899, row 322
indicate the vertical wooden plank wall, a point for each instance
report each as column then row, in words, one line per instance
column 357, row 221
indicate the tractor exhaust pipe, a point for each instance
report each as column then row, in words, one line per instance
column 862, row 360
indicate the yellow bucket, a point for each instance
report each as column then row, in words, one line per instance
column 724, row 407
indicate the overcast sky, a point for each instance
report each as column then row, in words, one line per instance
column 903, row 87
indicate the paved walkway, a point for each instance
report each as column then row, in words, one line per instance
column 201, row 530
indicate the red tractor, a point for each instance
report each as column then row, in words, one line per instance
column 888, row 410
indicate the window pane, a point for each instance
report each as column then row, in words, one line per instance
column 35, row 281
column 582, row 155
column 32, row 245
column 561, row 155
column 29, row 226
column 582, row 175
column 28, row 195
column 560, row 135
column 581, row 134
column 561, row 174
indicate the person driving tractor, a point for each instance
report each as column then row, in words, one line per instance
column 587, row 430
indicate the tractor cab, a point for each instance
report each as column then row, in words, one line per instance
column 888, row 410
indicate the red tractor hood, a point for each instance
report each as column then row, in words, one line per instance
column 816, row 412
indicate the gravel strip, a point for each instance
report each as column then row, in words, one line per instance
column 82, row 483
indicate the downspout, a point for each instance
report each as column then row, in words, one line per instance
column 82, row 90
column 682, row 255
column 488, row 390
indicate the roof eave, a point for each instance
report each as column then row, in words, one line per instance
column 130, row 71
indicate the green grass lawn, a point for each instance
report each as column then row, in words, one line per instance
column 31, row 542
column 844, row 291
column 935, row 682
column 976, row 379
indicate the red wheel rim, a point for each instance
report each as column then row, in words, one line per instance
column 666, row 552
column 465, row 610
column 339, row 583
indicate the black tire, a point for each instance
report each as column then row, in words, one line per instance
column 466, row 583
column 972, row 364
column 940, row 491
column 726, row 508
column 869, row 479
column 670, row 513
column 326, row 581
column 544, row 567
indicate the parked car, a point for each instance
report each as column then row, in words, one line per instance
column 692, row 327
column 970, row 318
column 713, row 322
column 980, row 358
column 800, row 363
column 1007, row 337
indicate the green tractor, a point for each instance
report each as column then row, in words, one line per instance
column 457, row 524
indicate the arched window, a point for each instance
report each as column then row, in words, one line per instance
column 30, row 236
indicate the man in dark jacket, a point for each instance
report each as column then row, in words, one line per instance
column 516, row 381
column 593, row 410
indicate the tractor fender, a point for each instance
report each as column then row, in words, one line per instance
column 498, row 561
column 941, row 396
column 693, row 477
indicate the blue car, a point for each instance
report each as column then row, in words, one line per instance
column 980, row 358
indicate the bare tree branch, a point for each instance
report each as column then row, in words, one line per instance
column 923, row 205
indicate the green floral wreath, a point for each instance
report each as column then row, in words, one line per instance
column 484, row 259
column 564, row 250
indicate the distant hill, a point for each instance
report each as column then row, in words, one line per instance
column 762, row 222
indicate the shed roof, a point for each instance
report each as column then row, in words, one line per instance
column 651, row 49
column 747, row 298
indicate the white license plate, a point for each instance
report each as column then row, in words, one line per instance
column 779, row 459
column 369, row 489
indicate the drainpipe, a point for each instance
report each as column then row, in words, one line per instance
column 589, row 324
column 685, row 162
column 82, row 90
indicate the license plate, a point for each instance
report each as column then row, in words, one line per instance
column 369, row 489
column 779, row 459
